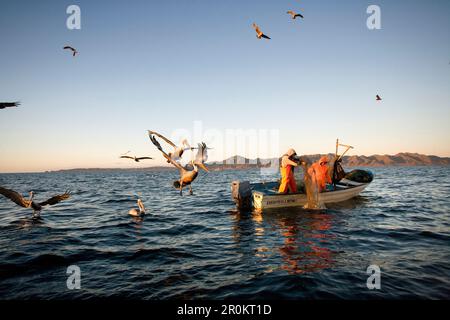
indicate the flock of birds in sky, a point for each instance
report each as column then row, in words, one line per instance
column 188, row 173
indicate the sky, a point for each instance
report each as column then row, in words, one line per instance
column 195, row 69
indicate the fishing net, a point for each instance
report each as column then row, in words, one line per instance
column 311, row 187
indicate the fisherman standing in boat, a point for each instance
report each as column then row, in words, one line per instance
column 288, row 161
column 320, row 174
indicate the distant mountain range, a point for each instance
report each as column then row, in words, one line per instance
column 242, row 163
column 400, row 159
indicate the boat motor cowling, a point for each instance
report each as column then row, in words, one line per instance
column 242, row 194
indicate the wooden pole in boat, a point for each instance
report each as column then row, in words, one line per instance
column 348, row 148
column 337, row 146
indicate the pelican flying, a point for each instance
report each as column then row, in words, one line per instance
column 4, row 105
column 74, row 51
column 137, row 159
column 294, row 15
column 186, row 176
column 37, row 207
column 177, row 150
column 259, row 33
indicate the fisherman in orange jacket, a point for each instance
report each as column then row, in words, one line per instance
column 319, row 173
column 287, row 165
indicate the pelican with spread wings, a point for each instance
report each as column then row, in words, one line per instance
column 178, row 151
column 294, row 15
column 29, row 203
column 186, row 176
column 136, row 159
column 259, row 33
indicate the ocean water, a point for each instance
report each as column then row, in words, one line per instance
column 201, row 247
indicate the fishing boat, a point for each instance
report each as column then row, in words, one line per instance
column 265, row 195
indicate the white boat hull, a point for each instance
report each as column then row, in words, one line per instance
column 349, row 190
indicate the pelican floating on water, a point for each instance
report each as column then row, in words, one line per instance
column 4, row 105
column 137, row 212
column 37, row 207
column 294, row 15
column 259, row 33
column 186, row 176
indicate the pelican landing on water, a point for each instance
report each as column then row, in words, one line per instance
column 4, row 105
column 137, row 212
column 37, row 207
column 186, row 176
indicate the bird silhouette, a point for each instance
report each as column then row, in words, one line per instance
column 74, row 51
column 259, row 33
column 294, row 15
column 136, row 159
column 378, row 98
column 4, row 105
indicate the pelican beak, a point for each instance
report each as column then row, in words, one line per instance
column 201, row 165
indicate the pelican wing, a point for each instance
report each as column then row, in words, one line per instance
column 69, row 47
column 186, row 144
column 15, row 197
column 126, row 157
column 4, row 105
column 158, row 145
column 264, row 36
column 56, row 199
column 299, row 15
column 202, row 153
column 162, row 137
column 144, row 158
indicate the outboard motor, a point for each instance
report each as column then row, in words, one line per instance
column 242, row 194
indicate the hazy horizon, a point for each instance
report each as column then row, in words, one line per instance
column 148, row 165
column 164, row 66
